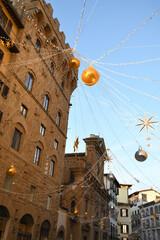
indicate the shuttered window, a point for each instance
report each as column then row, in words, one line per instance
column 5, row 91
column 9, row 27
column 1, row 55
column 1, row 114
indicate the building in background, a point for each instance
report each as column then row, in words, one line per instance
column 83, row 193
column 124, row 215
column 35, row 89
column 112, row 185
column 150, row 220
column 138, row 199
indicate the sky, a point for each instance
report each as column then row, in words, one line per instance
column 111, row 108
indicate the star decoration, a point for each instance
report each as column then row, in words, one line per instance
column 101, row 224
column 146, row 123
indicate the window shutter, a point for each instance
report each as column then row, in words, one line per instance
column 126, row 212
column 9, row 27
column 121, row 228
column 121, row 212
column 1, row 114
column 127, row 228
column 5, row 91
column 1, row 55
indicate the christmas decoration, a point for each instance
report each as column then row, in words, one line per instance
column 140, row 155
column 74, row 63
column 146, row 123
column 90, row 76
column 11, row 171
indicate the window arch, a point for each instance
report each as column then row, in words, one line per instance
column 29, row 81
column 46, row 102
column 38, row 153
column 52, row 167
column 38, row 45
column 58, row 119
column 17, row 136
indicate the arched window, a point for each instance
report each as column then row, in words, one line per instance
column 38, row 45
column 46, row 102
column 58, row 118
column 52, row 68
column 29, row 81
column 37, row 155
column 25, row 227
column 51, row 169
column 62, row 86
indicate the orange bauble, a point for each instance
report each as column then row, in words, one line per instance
column 11, row 171
column 75, row 212
column 118, row 223
column 90, row 76
column 74, row 63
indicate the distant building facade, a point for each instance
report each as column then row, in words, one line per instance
column 139, row 199
column 35, row 89
column 83, row 193
column 150, row 220
column 124, row 215
column 112, row 185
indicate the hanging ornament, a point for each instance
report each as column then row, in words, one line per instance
column 119, row 223
column 74, row 63
column 148, row 141
column 11, row 171
column 86, row 213
column 146, row 123
column 90, row 76
column 140, row 155
column 75, row 213
column 75, row 147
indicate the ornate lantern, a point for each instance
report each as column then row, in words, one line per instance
column 90, row 76
column 74, row 63
column 11, row 171
column 140, row 155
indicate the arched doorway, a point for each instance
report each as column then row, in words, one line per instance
column 44, row 232
column 4, row 217
column 25, row 228
column 60, row 235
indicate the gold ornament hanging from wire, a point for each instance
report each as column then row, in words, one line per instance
column 90, row 76
column 74, row 63
column 11, row 171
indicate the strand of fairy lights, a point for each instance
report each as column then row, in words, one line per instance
column 140, row 27
column 126, row 151
column 79, row 28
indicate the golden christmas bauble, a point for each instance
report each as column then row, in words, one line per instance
column 11, row 171
column 90, row 76
column 74, row 63
column 118, row 223
column 86, row 213
column 75, row 212
column 140, row 155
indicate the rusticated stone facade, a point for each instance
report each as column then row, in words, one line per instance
column 35, row 89
column 83, row 194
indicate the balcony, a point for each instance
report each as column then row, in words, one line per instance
column 5, row 39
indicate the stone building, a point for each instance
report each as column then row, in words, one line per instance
column 35, row 89
column 138, row 199
column 124, row 215
column 112, row 185
column 83, row 195
column 150, row 220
